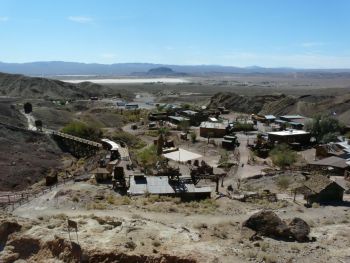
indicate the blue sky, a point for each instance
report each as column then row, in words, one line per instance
column 270, row 33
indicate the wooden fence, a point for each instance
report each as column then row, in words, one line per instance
column 10, row 201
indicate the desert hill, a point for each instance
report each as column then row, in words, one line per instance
column 280, row 104
column 14, row 85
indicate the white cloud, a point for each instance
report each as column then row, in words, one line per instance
column 81, row 19
column 3, row 18
column 312, row 44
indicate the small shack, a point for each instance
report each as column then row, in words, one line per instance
column 290, row 137
column 212, row 129
column 334, row 164
column 320, row 189
column 178, row 119
column 101, row 174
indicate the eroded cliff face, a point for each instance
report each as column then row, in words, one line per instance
column 17, row 242
column 242, row 103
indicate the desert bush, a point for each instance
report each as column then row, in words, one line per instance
column 268, row 258
column 148, row 157
column 131, row 140
column 315, row 205
column 152, row 133
column 242, row 126
column 75, row 199
column 201, row 226
column 156, row 243
column 134, row 115
column 82, row 130
column 283, row 156
column 264, row 246
column 193, row 137
column 110, row 199
column 283, row 182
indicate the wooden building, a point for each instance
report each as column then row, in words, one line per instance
column 212, row 130
column 333, row 164
column 320, row 189
column 290, row 137
column 101, row 174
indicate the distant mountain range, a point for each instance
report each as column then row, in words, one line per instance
column 54, row 68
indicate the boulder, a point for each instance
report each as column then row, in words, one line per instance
column 267, row 223
column 6, row 229
column 299, row 229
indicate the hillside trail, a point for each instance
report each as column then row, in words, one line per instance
column 245, row 169
column 30, row 120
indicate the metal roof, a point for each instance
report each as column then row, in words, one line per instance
column 288, row 133
column 332, row 161
column 190, row 112
column 160, row 185
column 295, row 123
column 212, row 125
column 114, row 146
column 178, row 118
column 270, row 117
column 292, row 117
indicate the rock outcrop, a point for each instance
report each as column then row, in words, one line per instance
column 6, row 229
column 299, row 229
column 267, row 223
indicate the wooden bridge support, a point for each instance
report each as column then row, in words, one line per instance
column 76, row 148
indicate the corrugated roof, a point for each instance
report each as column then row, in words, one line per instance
column 292, row 117
column 212, row 125
column 332, row 161
column 160, row 185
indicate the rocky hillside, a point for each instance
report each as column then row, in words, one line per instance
column 242, row 103
column 26, row 157
column 307, row 105
column 13, row 85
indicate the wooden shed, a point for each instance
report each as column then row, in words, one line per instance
column 101, row 174
column 320, row 189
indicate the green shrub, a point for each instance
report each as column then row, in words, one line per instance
column 82, row 130
column 131, row 140
column 283, row 182
column 193, row 137
column 283, row 156
column 148, row 157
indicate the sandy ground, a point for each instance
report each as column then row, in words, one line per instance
column 208, row 237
